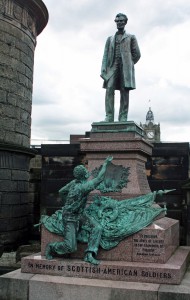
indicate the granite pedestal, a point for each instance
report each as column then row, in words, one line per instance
column 28, row 286
column 152, row 255
column 155, row 243
column 125, row 142
column 171, row 272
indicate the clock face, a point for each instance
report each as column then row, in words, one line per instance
column 150, row 134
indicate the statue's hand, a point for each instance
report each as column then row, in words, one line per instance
column 103, row 71
column 160, row 192
column 109, row 159
column 103, row 74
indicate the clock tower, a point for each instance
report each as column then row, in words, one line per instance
column 151, row 130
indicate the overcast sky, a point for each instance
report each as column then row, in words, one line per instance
column 68, row 94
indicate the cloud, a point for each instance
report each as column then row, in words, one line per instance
column 68, row 94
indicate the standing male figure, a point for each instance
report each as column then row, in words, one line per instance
column 120, row 54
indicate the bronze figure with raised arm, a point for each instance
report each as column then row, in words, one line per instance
column 74, row 196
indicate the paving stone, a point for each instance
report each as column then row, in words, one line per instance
column 176, row 292
column 60, row 288
column 14, row 286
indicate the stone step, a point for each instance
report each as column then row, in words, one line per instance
column 24, row 286
column 171, row 272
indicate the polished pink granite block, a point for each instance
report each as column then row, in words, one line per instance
column 128, row 149
column 137, row 184
column 122, row 252
column 169, row 273
column 155, row 243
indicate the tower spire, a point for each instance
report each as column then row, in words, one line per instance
column 149, row 115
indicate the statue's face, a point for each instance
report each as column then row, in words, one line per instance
column 81, row 173
column 121, row 22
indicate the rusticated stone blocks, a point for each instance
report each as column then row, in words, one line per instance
column 20, row 23
column 19, row 27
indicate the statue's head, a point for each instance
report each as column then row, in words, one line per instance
column 121, row 20
column 80, row 172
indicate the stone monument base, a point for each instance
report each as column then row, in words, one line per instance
column 155, row 243
column 171, row 272
column 124, row 141
column 27, row 286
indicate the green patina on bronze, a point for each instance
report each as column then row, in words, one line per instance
column 103, row 223
column 74, row 196
column 121, row 53
column 118, row 219
column 116, row 178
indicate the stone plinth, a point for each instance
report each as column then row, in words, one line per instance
column 171, row 272
column 123, row 141
column 155, row 243
column 26, row 286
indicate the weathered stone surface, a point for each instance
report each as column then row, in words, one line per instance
column 128, row 149
column 56, row 287
column 20, row 175
column 14, row 285
column 52, row 287
column 5, row 174
column 20, row 23
column 171, row 273
column 181, row 292
column 15, row 209
column 17, row 44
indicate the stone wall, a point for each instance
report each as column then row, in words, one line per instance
column 18, row 31
column 16, row 203
column 35, row 188
column 20, row 23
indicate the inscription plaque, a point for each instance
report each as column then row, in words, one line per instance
column 148, row 245
column 171, row 272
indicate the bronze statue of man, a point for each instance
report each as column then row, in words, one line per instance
column 74, row 196
column 120, row 54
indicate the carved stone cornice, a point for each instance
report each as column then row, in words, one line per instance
column 38, row 9
column 30, row 15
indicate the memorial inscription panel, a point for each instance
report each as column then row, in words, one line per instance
column 157, row 242
column 148, row 245
column 170, row 273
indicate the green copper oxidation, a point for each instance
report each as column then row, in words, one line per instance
column 120, row 54
column 103, row 223
column 116, row 178
column 74, row 196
